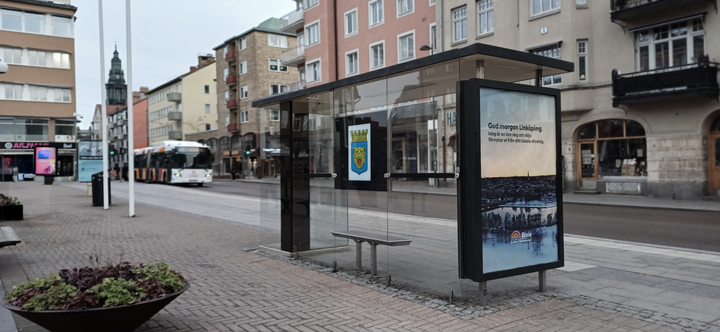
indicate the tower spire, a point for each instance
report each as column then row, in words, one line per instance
column 115, row 86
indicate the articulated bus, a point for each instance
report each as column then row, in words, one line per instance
column 174, row 162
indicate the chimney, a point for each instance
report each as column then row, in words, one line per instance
column 193, row 68
column 205, row 59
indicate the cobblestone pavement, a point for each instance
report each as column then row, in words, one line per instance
column 236, row 290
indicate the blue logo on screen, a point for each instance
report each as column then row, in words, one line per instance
column 44, row 154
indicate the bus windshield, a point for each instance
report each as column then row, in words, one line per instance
column 190, row 157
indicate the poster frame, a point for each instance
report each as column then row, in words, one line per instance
column 80, row 158
column 470, row 254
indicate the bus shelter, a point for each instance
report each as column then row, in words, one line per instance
column 457, row 152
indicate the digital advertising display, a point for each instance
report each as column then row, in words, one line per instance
column 89, row 159
column 518, row 165
column 510, row 216
column 45, row 160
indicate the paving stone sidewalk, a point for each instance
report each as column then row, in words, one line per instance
column 236, row 290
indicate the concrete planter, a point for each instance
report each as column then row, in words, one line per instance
column 14, row 212
column 125, row 318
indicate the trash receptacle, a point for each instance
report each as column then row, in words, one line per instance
column 97, row 190
column 49, row 179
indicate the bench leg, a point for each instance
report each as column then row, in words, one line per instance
column 358, row 255
column 373, row 258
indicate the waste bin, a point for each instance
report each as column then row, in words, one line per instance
column 49, row 179
column 97, row 190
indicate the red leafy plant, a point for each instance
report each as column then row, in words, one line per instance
column 93, row 287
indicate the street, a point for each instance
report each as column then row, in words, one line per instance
column 685, row 229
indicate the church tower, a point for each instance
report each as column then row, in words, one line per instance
column 116, row 88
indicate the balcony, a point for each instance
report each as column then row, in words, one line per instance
column 120, row 122
column 293, row 22
column 231, row 56
column 293, row 57
column 175, row 134
column 174, row 97
column 629, row 10
column 694, row 80
column 231, row 104
column 231, row 80
column 233, row 128
column 175, row 116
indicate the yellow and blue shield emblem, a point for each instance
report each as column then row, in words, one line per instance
column 359, row 149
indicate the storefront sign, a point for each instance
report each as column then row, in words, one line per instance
column 30, row 146
column 510, row 217
column 359, row 152
column 64, row 138
column 45, row 160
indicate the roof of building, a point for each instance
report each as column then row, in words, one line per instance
column 177, row 79
column 271, row 25
column 47, row 4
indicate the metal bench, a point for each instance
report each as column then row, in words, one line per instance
column 373, row 240
column 8, row 237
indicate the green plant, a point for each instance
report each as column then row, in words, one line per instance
column 9, row 201
column 53, row 298
column 114, row 292
column 163, row 273
column 38, row 284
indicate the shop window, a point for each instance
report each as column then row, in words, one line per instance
column 64, row 127
column 612, row 148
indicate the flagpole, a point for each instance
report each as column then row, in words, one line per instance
column 131, row 132
column 106, row 196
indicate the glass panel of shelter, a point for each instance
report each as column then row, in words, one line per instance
column 271, row 149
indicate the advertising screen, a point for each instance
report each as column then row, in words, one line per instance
column 45, row 160
column 519, row 180
column 89, row 159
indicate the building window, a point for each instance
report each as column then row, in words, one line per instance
column 313, row 71
column 227, row 96
column 179, row 108
column 38, row 93
column 275, row 66
column 62, row 26
column 550, row 52
column 34, row 23
column 351, row 22
column 543, row 6
column 278, row 88
column 207, row 108
column 432, row 2
column 277, row 40
column 243, row 92
column 65, row 127
column 433, row 35
column 485, row 16
column 621, row 149
column 244, row 116
column 243, row 67
column 207, row 126
column 274, row 115
column 207, row 89
column 12, row 55
column 243, row 43
column 178, row 88
column 406, row 46
column 227, row 119
column 581, row 3
column 459, row 23
column 11, row 20
column 582, row 52
column 225, row 51
column 670, row 45
column 351, row 63
column 375, row 8
column 11, row 91
column 311, row 3
column 405, row 7
column 312, row 33
column 226, row 73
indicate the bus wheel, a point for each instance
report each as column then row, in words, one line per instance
column 200, row 184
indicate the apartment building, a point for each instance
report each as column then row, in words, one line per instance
column 37, row 94
column 640, row 114
column 338, row 39
column 119, row 130
column 184, row 105
column 248, row 68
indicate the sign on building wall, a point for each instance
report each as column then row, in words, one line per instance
column 90, row 161
column 359, row 152
column 45, row 160
column 510, row 217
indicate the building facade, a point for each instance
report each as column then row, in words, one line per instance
column 184, row 105
column 640, row 114
column 37, row 94
column 338, row 39
column 248, row 68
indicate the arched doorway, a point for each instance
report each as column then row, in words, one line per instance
column 610, row 148
column 714, row 155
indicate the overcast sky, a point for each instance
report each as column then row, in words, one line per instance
column 167, row 36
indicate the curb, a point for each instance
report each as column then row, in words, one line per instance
column 660, row 207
